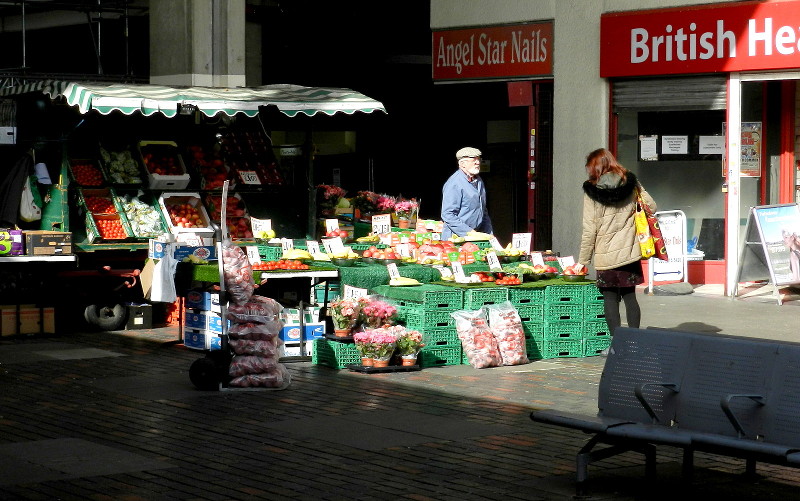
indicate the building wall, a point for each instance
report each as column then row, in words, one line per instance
column 581, row 97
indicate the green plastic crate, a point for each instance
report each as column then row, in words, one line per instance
column 474, row 299
column 270, row 252
column 526, row 295
column 594, row 311
column 335, row 354
column 437, row 338
column 425, row 320
column 595, row 329
column 595, row 346
column 363, row 247
column 533, row 330
column 564, row 294
column 531, row 312
column 563, row 348
column 438, row 356
column 534, row 349
column 591, row 294
column 563, row 312
column 450, row 300
column 563, row 330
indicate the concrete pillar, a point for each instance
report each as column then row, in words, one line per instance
column 197, row 43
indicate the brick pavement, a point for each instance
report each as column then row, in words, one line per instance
column 111, row 416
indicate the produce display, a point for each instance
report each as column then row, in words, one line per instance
column 209, row 164
column 86, row 173
column 162, row 159
column 238, row 220
column 283, row 264
column 121, row 167
column 145, row 220
column 185, row 215
column 245, row 152
column 100, row 205
column 110, row 228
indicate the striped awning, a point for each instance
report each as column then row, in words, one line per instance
column 291, row 100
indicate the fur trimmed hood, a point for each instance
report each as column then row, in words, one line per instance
column 610, row 190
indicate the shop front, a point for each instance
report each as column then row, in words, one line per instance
column 704, row 107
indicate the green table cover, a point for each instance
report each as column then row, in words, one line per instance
column 415, row 293
column 369, row 276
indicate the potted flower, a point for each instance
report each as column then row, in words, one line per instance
column 405, row 210
column 330, row 197
column 409, row 343
column 363, row 342
column 383, row 346
column 376, row 314
column 366, row 203
column 345, row 313
column 385, row 204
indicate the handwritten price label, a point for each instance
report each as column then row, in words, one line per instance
column 458, row 271
column 249, row 177
column 392, row 269
column 351, row 292
column 494, row 262
column 521, row 241
column 313, row 246
column 381, row 223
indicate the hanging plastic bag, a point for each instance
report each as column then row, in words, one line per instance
column 30, row 205
column 238, row 273
column 476, row 338
column 163, row 288
column 506, row 327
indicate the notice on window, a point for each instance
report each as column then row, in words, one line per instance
column 674, row 145
column 647, row 148
column 712, row 145
column 751, row 149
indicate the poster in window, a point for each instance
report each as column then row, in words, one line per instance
column 751, row 149
column 647, row 148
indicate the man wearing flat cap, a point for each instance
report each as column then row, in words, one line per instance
column 464, row 197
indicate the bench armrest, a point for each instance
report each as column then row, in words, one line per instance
column 638, row 390
column 725, row 403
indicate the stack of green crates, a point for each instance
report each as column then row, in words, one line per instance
column 427, row 309
column 335, row 354
column 529, row 302
column 596, row 335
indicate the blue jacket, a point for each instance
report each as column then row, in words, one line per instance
column 464, row 206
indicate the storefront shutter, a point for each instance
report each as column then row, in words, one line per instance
column 670, row 94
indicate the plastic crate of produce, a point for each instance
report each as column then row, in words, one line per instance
column 563, row 330
column 594, row 311
column 564, row 294
column 424, row 320
column 86, row 172
column 143, row 214
column 190, row 203
column 475, row 298
column 526, row 295
column 533, row 330
column 562, row 348
column 427, row 297
column 531, row 312
column 595, row 346
column 270, row 252
column 438, row 338
column 163, row 165
column 595, row 329
column 534, row 348
column 335, row 354
column 591, row 294
column 98, row 201
column 106, row 228
column 438, row 356
column 563, row 312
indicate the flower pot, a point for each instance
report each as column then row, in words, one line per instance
column 409, row 360
column 342, row 332
column 380, row 363
column 402, row 223
column 367, row 361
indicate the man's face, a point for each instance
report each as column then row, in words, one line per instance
column 470, row 165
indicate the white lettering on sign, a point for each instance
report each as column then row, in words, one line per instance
column 680, row 45
column 785, row 38
column 528, row 50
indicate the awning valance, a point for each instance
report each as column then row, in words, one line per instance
column 290, row 99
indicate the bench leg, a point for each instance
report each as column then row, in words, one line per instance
column 687, row 468
column 586, row 455
column 750, row 468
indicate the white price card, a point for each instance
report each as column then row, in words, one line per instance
column 494, row 262
column 458, row 271
column 252, row 254
column 336, row 245
column 536, row 258
column 331, row 225
column 521, row 241
column 495, row 243
column 444, row 271
column 392, row 269
column 326, row 243
column 566, row 261
column 403, row 250
column 312, row 246
column 381, row 223
column 249, row 177
column 351, row 292
column 287, row 244
column 436, row 236
column 260, row 224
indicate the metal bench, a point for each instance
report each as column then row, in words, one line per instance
column 713, row 393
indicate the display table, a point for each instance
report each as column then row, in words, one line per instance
column 369, row 276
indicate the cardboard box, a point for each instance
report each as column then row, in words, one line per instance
column 293, row 349
column 203, row 320
column 163, row 149
column 140, row 316
column 200, row 340
column 203, row 300
column 33, row 320
column 167, row 200
column 291, row 316
column 291, row 333
column 11, row 242
column 47, row 243
column 157, row 250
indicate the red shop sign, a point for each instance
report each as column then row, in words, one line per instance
column 522, row 50
column 746, row 36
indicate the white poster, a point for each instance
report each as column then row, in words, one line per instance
column 674, row 145
column 647, row 147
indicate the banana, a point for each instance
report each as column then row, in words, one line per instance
column 400, row 281
column 298, row 254
column 475, row 236
column 369, row 239
column 321, row 256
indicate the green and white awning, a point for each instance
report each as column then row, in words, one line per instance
column 291, row 100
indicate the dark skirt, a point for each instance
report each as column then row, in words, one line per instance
column 628, row 275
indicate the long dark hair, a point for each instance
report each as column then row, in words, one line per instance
column 600, row 162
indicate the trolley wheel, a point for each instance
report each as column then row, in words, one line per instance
column 204, row 374
column 107, row 318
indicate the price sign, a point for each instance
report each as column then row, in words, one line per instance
column 536, row 258
column 331, row 225
column 494, row 262
column 336, row 245
column 458, row 271
column 495, row 243
column 453, row 256
column 566, row 261
column 326, row 243
column 403, row 250
column 287, row 244
column 381, row 223
column 249, row 177
column 521, row 241
column 392, row 269
column 436, row 236
column 252, row 254
column 444, row 271
column 351, row 292
column 312, row 246
column 260, row 224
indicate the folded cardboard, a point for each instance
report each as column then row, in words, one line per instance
column 47, row 243
column 201, row 340
column 32, row 320
column 11, row 242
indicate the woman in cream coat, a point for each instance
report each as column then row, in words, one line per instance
column 609, row 235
